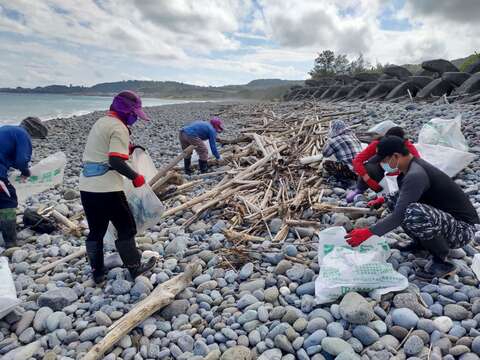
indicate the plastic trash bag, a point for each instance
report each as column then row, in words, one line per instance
column 447, row 159
column 382, row 128
column 8, row 293
column 44, row 175
column 444, row 132
column 362, row 269
column 142, row 163
column 145, row 205
column 389, row 185
column 476, row 265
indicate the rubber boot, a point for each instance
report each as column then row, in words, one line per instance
column 131, row 258
column 95, row 258
column 203, row 165
column 187, row 163
column 8, row 227
column 438, row 269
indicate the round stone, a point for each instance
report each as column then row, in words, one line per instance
column 413, row 345
column 405, row 318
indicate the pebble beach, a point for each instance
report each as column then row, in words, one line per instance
column 265, row 309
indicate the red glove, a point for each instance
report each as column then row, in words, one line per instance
column 372, row 184
column 138, row 181
column 379, row 201
column 358, row 236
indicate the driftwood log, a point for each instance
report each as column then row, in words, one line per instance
column 163, row 171
column 76, row 254
column 163, row 295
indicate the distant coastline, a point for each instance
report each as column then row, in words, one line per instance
column 262, row 89
column 15, row 107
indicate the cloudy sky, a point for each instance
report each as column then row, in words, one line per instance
column 216, row 42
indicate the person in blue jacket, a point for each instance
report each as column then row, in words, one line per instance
column 195, row 134
column 15, row 153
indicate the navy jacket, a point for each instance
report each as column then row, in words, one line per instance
column 15, row 149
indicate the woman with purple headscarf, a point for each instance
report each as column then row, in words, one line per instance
column 101, row 185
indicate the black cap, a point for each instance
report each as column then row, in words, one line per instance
column 35, row 127
column 390, row 145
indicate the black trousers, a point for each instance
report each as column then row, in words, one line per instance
column 375, row 171
column 8, row 216
column 6, row 201
column 100, row 209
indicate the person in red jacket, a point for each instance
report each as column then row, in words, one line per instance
column 366, row 164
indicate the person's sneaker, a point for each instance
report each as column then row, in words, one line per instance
column 143, row 267
column 438, row 269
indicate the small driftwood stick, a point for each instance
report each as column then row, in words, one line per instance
column 67, row 258
column 303, row 223
column 343, row 209
column 170, row 178
column 238, row 236
column 64, row 220
column 163, row 295
column 311, row 159
column 163, row 171
column 282, row 234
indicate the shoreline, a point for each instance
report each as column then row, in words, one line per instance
column 265, row 306
column 47, row 109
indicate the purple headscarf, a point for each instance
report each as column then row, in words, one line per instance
column 128, row 107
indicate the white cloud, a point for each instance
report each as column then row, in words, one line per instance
column 226, row 41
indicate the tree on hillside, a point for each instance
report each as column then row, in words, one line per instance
column 469, row 61
column 329, row 64
column 324, row 64
column 359, row 65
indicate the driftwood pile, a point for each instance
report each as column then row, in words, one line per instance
column 274, row 171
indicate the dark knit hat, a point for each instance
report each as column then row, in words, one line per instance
column 390, row 145
column 35, row 127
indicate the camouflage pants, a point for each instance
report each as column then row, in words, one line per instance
column 436, row 230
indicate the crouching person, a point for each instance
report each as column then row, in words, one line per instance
column 195, row 134
column 344, row 145
column 101, row 186
column 366, row 164
column 430, row 207
column 15, row 153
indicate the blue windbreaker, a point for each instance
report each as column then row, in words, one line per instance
column 203, row 130
column 15, row 149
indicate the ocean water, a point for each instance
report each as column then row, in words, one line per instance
column 15, row 107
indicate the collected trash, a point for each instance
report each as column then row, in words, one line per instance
column 362, row 269
column 444, row 132
column 143, row 164
column 389, row 185
column 382, row 128
column 8, row 293
column 44, row 175
column 146, row 207
column 476, row 265
column 447, row 159
column 442, row 144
